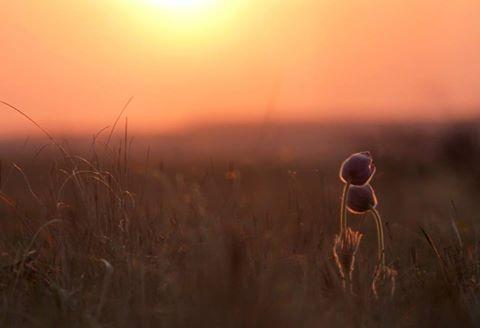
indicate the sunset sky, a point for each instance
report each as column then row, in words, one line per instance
column 73, row 64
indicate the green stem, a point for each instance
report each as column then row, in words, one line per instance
column 343, row 209
column 381, row 243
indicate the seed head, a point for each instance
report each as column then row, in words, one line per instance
column 358, row 169
column 361, row 199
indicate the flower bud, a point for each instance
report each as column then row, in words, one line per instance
column 361, row 199
column 357, row 169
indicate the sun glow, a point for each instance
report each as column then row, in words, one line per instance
column 187, row 13
column 185, row 22
column 183, row 5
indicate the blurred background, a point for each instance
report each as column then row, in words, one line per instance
column 190, row 177
column 73, row 65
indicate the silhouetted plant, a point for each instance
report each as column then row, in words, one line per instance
column 356, row 170
column 359, row 198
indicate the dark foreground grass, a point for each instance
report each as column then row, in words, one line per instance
column 108, row 240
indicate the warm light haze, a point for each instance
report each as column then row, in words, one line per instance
column 239, row 163
column 73, row 64
column 182, row 5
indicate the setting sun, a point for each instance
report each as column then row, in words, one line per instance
column 183, row 5
column 193, row 24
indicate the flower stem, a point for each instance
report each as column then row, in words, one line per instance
column 381, row 243
column 343, row 209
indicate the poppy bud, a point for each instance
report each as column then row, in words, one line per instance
column 357, row 169
column 361, row 199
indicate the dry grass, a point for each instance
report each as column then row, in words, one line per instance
column 107, row 239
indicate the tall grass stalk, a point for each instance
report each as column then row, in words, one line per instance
column 343, row 209
column 380, row 238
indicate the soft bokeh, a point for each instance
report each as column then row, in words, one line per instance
column 73, row 64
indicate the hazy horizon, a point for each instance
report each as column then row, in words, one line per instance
column 73, row 67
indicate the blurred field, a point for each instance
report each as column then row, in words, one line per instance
column 232, row 226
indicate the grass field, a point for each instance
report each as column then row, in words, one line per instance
column 231, row 227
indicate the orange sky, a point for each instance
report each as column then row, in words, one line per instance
column 72, row 64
